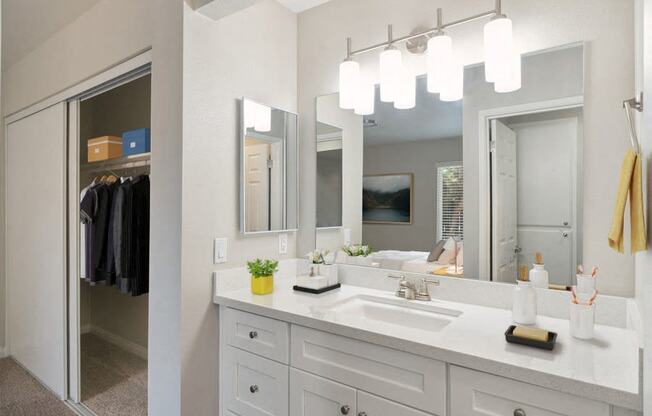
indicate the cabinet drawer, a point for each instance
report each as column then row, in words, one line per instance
column 257, row 334
column 254, row 386
column 479, row 394
column 311, row 395
column 399, row 376
column 369, row 405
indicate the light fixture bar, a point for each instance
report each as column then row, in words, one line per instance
column 496, row 12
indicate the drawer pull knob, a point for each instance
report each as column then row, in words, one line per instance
column 253, row 334
column 519, row 412
column 362, row 414
column 345, row 410
column 254, row 389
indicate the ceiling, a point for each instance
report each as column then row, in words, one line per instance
column 430, row 119
column 28, row 23
column 299, row 6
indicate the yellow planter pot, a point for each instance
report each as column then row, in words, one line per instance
column 262, row 285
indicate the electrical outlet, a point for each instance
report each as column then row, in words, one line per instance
column 219, row 250
column 282, row 244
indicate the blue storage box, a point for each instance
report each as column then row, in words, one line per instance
column 135, row 142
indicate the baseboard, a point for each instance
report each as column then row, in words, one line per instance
column 118, row 341
column 3, row 352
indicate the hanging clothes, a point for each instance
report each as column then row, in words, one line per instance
column 116, row 221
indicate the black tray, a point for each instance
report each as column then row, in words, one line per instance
column 547, row 345
column 316, row 291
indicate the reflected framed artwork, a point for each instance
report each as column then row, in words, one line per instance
column 387, row 198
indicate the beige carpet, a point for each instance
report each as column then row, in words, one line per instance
column 23, row 395
column 114, row 381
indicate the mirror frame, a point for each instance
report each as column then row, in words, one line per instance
column 241, row 141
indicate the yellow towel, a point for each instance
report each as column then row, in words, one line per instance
column 630, row 183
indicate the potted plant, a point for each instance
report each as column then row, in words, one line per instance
column 262, row 275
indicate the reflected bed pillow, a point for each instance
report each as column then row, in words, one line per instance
column 436, row 251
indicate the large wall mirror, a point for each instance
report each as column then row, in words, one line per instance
column 470, row 188
column 268, row 168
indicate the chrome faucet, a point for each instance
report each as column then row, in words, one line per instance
column 408, row 290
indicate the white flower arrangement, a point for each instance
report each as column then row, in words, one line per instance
column 317, row 256
column 358, row 250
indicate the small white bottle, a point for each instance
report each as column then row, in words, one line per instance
column 524, row 307
column 539, row 275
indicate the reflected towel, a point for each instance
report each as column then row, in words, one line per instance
column 630, row 183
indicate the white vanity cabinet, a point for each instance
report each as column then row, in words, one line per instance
column 474, row 393
column 273, row 368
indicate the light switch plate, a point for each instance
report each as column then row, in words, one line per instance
column 282, row 244
column 347, row 236
column 219, row 250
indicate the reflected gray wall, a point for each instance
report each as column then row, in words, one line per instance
column 329, row 188
column 421, row 159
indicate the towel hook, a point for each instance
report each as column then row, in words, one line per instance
column 636, row 104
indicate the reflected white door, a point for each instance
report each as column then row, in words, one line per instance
column 504, row 204
column 257, row 187
column 35, row 244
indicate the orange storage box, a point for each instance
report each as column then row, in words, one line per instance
column 103, row 148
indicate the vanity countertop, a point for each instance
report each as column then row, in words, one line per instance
column 605, row 368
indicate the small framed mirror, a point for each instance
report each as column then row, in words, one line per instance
column 268, row 169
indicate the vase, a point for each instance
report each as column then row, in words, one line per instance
column 262, row 285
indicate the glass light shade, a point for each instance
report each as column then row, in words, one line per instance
column 407, row 90
column 453, row 89
column 440, row 54
column 263, row 122
column 390, row 72
column 348, row 84
column 249, row 110
column 366, row 98
column 512, row 81
column 498, row 48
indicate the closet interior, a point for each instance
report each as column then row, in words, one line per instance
column 114, row 248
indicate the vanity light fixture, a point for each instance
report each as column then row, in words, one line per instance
column 249, row 114
column 390, row 70
column 407, row 90
column 348, row 82
column 366, row 97
column 440, row 53
column 445, row 74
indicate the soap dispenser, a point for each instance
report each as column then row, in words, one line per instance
column 524, row 308
column 539, row 274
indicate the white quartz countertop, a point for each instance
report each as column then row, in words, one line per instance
column 605, row 368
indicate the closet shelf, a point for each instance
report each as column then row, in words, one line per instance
column 127, row 162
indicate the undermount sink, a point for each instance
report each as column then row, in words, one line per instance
column 400, row 312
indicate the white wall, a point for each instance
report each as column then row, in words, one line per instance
column 109, row 33
column 421, row 159
column 322, row 33
column 251, row 53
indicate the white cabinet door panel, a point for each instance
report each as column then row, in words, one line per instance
column 311, row 395
column 479, row 394
column 369, row 405
column 396, row 375
column 254, row 386
column 36, row 244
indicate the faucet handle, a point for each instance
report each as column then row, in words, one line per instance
column 424, row 293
